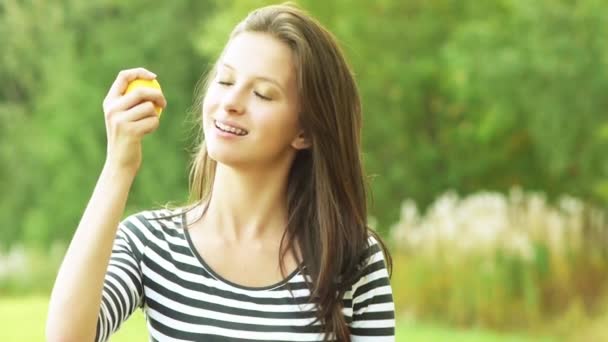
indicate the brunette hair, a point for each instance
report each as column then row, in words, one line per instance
column 326, row 193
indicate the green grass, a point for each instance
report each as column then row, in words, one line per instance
column 23, row 320
column 420, row 332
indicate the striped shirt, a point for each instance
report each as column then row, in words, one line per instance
column 154, row 266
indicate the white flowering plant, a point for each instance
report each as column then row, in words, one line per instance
column 499, row 260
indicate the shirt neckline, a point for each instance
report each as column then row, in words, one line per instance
column 222, row 279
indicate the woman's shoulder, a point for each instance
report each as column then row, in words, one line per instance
column 375, row 248
column 374, row 260
column 156, row 221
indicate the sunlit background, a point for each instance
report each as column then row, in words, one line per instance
column 485, row 139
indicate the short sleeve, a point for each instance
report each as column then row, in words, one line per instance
column 373, row 307
column 122, row 289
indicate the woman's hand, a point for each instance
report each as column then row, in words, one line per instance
column 76, row 301
column 129, row 117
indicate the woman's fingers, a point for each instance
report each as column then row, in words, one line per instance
column 122, row 81
column 139, row 112
column 146, row 125
column 129, row 117
column 136, row 97
column 137, row 121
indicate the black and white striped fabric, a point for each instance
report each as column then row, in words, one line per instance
column 154, row 266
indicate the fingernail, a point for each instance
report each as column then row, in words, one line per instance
column 153, row 74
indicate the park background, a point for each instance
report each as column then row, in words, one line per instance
column 485, row 140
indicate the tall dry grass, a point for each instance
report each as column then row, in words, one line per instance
column 502, row 261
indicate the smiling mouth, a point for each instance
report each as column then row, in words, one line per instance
column 229, row 129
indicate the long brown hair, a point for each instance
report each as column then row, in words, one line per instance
column 326, row 190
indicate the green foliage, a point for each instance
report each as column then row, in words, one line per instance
column 470, row 96
column 457, row 94
column 58, row 61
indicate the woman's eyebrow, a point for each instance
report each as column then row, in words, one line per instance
column 262, row 78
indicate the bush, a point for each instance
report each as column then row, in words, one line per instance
column 26, row 270
column 499, row 261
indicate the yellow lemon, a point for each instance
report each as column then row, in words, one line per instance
column 145, row 83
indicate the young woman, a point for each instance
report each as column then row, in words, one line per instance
column 274, row 246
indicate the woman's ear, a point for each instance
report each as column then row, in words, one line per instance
column 301, row 141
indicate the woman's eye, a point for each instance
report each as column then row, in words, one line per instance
column 265, row 98
column 224, row 83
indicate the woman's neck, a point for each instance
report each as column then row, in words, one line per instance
column 248, row 205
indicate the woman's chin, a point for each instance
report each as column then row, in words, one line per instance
column 226, row 156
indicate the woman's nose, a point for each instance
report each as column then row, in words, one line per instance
column 233, row 100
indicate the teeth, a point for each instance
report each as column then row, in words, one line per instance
column 230, row 129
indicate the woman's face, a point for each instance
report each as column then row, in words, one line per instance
column 250, row 111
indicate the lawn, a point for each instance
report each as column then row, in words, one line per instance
column 23, row 321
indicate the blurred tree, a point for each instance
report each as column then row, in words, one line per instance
column 468, row 95
column 465, row 95
column 58, row 61
column 529, row 79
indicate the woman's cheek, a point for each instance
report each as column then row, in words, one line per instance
column 209, row 103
